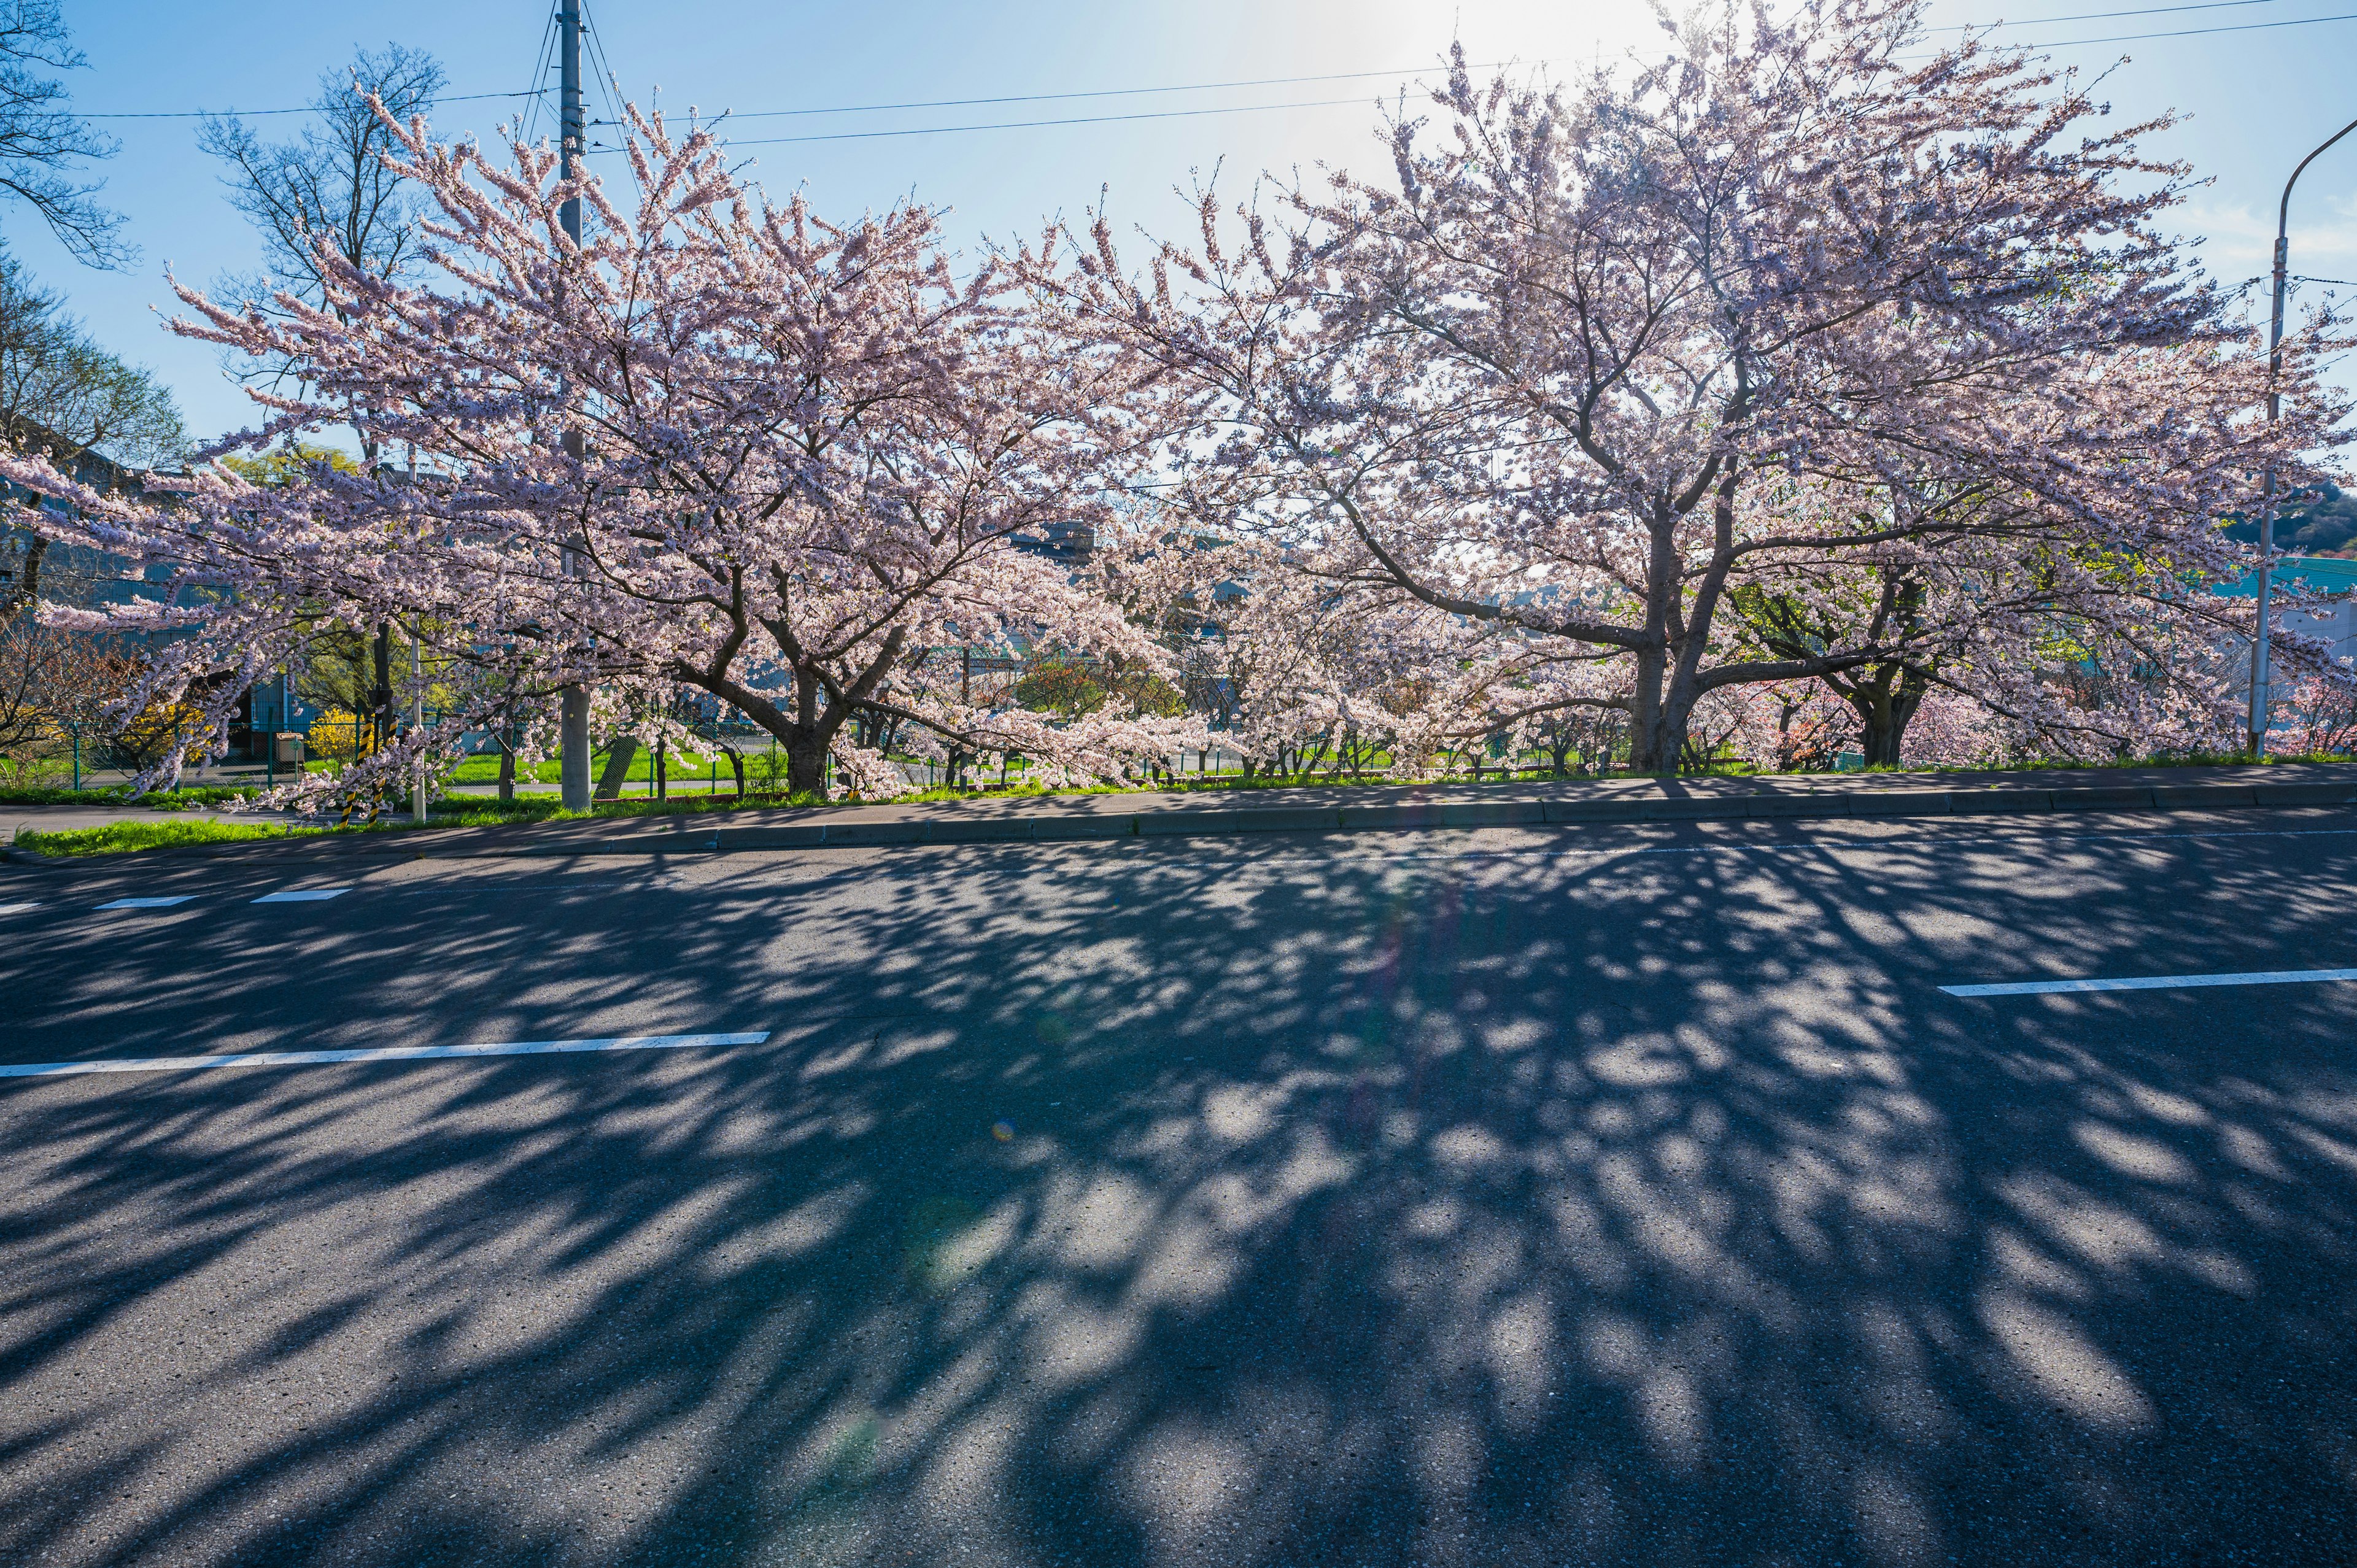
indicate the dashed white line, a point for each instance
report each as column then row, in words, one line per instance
column 379, row 1054
column 2153, row 982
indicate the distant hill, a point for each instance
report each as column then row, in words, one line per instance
column 2328, row 527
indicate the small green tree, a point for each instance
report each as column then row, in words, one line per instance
column 282, row 466
column 1065, row 687
column 60, row 389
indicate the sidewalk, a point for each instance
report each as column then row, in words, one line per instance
column 1462, row 805
column 1334, row 809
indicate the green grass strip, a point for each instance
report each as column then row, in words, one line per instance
column 117, row 794
column 122, row 838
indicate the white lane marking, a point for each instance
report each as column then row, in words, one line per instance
column 148, row 903
column 19, row 909
column 2153, row 982
column 379, row 1054
column 301, row 895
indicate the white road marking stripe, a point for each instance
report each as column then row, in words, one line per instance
column 17, row 908
column 2153, row 982
column 301, row 895
column 148, row 903
column 379, row 1054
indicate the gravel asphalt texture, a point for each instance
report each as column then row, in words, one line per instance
column 1610, row 1195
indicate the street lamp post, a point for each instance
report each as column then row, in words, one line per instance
column 2268, row 488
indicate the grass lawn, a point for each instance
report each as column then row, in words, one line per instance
column 713, row 779
column 476, row 810
column 97, row 795
column 119, row 838
column 678, row 769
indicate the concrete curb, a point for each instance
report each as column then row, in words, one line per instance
column 1401, row 817
column 1459, row 814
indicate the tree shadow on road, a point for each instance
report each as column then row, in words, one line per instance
column 1282, row 1204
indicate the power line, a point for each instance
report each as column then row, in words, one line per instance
column 540, row 74
column 2188, row 32
column 1103, row 92
column 1348, row 75
column 1022, row 124
column 597, row 45
column 597, row 42
column 256, row 114
column 1311, row 103
column 2101, row 16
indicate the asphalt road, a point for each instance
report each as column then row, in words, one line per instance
column 1606, row 1195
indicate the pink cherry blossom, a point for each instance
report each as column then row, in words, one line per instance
column 1807, row 308
column 719, row 444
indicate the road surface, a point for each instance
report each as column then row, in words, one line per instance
column 1583, row 1196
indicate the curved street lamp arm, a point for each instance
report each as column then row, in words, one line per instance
column 2283, row 208
column 2275, row 407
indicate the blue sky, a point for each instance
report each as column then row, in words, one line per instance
column 2257, row 101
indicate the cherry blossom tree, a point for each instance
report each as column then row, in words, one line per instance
column 1564, row 371
column 2320, row 716
column 1260, row 649
column 2022, row 618
column 1787, row 726
column 1805, row 726
column 718, row 444
column 1301, row 666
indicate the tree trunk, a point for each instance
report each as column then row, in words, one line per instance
column 805, row 763
column 27, row 587
column 506, row 775
column 1879, row 735
column 618, row 767
column 380, row 695
column 1884, row 703
column 1653, row 748
column 1657, row 738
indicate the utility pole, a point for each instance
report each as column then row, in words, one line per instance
column 573, row 731
column 2268, row 490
